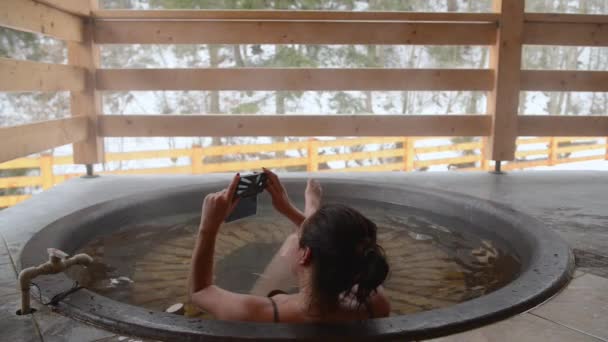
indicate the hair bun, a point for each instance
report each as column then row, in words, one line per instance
column 374, row 271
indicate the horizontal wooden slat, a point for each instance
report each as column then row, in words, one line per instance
column 566, row 34
column 257, row 148
column 525, row 164
column 555, row 125
column 153, row 171
column 361, row 155
column 553, row 80
column 294, row 79
column 8, row 201
column 566, row 149
column 292, row 32
column 356, row 142
column 18, row 75
column 293, row 125
column 566, row 18
column 293, row 15
column 78, row 7
column 253, row 164
column 139, row 155
column 19, row 182
column 19, row 141
column 369, row 168
column 529, row 141
column 446, row 148
column 520, row 154
column 444, row 161
column 21, row 163
column 31, row 16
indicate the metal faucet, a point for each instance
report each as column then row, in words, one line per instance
column 58, row 262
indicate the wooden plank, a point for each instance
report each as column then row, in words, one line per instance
column 256, row 148
column 21, row 163
column 31, row 16
column 254, row 164
column 77, row 7
column 505, row 59
column 152, row 171
column 566, row 149
column 293, row 15
column 87, row 103
column 292, row 32
column 528, row 153
column 444, row 161
column 568, row 34
column 19, row 141
column 447, row 148
column 9, row 201
column 18, row 75
column 139, row 155
column 567, row 18
column 529, row 141
column 293, row 125
column 19, row 182
column 361, row 155
column 294, row 79
column 369, row 168
column 554, row 80
column 555, row 125
column 357, row 142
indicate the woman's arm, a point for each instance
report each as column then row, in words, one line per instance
column 220, row 303
column 281, row 201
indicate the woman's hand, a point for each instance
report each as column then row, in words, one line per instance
column 280, row 200
column 217, row 206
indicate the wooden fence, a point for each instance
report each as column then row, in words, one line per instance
column 312, row 156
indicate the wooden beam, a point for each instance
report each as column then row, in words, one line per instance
column 87, row 103
column 77, row 7
column 557, row 125
column 33, row 76
column 566, row 18
column 568, row 34
column 20, row 141
column 293, row 125
column 553, row 80
column 505, row 59
column 293, row 15
column 294, row 79
column 292, row 32
column 31, row 16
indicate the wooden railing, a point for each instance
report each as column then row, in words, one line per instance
column 312, row 156
column 505, row 31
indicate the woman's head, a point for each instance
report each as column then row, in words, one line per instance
column 343, row 254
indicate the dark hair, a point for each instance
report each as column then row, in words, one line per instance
column 344, row 254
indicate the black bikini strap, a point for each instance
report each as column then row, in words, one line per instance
column 275, row 310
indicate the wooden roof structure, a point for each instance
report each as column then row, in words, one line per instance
column 85, row 28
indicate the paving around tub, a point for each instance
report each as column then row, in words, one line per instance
column 570, row 203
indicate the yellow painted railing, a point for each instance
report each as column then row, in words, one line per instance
column 395, row 154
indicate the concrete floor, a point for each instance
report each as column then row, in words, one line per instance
column 575, row 204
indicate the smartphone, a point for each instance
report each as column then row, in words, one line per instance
column 251, row 185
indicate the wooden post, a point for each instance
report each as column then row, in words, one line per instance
column 87, row 102
column 505, row 60
column 606, row 148
column 409, row 154
column 313, row 155
column 46, row 170
column 485, row 156
column 196, row 159
column 553, row 145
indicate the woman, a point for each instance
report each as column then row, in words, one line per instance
column 333, row 254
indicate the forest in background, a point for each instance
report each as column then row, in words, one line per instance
column 19, row 108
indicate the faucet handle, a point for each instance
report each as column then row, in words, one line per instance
column 56, row 253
